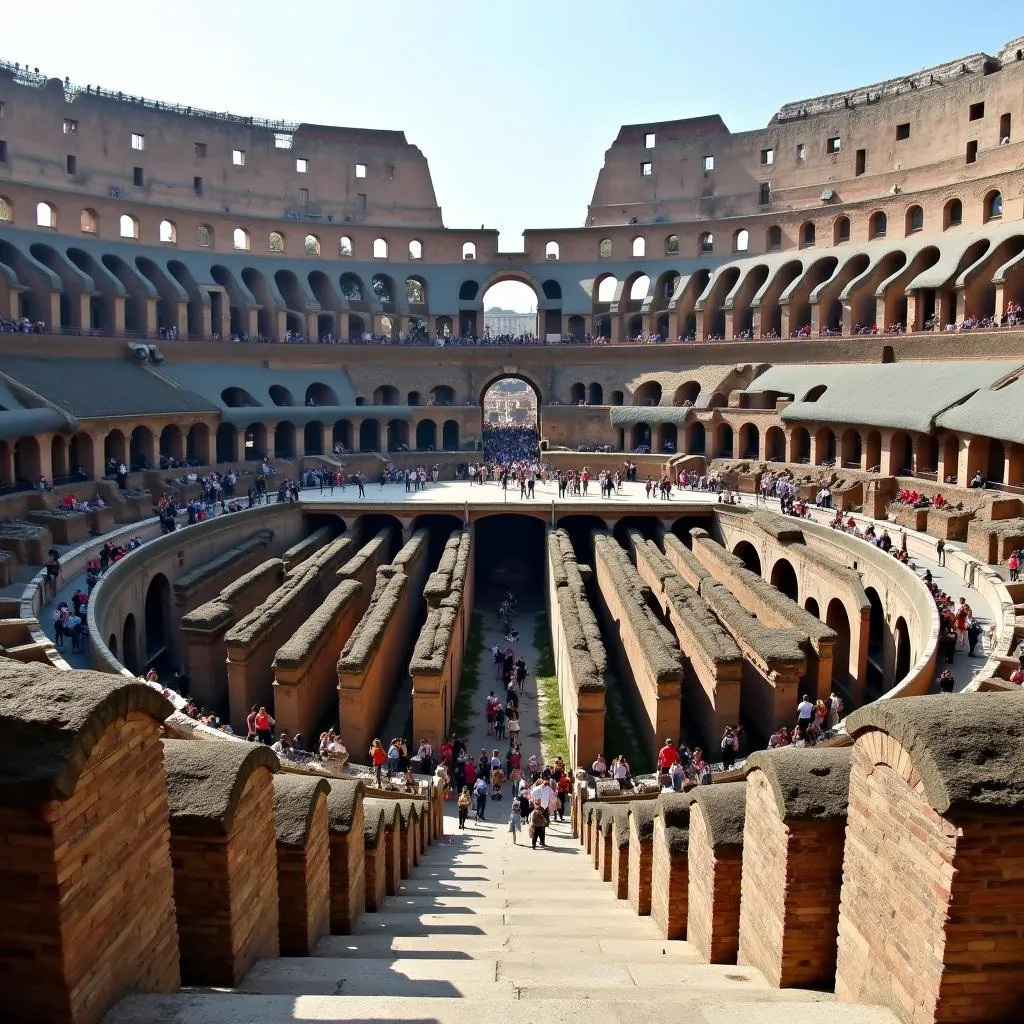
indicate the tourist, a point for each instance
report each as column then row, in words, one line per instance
column 599, row 769
column 620, row 771
column 515, row 821
column 1013, row 564
column 394, row 758
column 835, row 709
column 480, row 790
column 463, row 805
column 666, row 756
column 804, row 713
column 378, row 758
column 263, row 724
column 563, row 787
column 52, row 575
column 676, row 774
column 426, row 755
column 730, row 747
column 946, row 681
column 538, row 825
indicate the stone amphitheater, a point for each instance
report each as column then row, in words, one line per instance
column 155, row 867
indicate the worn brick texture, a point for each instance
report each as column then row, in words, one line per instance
column 789, row 910
column 620, row 871
column 348, row 892
column 392, row 859
column 713, row 911
column 373, row 876
column 931, row 920
column 87, row 889
column 604, row 855
column 225, row 891
column 669, row 885
column 304, row 887
column 639, row 873
column 406, row 840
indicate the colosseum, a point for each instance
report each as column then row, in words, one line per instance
column 732, row 526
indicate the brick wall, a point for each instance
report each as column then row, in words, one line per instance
column 86, row 886
column 406, row 840
column 639, row 874
column 304, row 886
column 952, row 888
column 374, row 874
column 348, row 897
column 669, row 885
column 604, row 854
column 620, row 871
column 392, row 859
column 713, row 913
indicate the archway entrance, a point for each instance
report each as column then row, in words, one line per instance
column 511, row 313
column 510, row 420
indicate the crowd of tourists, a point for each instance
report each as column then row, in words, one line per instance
column 815, row 721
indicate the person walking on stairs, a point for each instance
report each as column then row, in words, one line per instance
column 515, row 821
column 480, row 789
column 463, row 806
column 538, row 825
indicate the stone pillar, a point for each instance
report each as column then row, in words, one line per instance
column 392, row 847
column 794, row 831
column 641, row 839
column 119, row 302
column 303, row 862
column 85, row 867
column 931, row 917
column 603, row 845
column 373, row 854
column 669, row 864
column 915, row 311
column 715, row 863
column 406, row 837
column 620, row 852
column 223, row 843
column 345, row 827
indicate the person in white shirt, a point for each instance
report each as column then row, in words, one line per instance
column 543, row 792
column 804, row 712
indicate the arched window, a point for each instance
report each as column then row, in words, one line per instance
column 606, row 288
column 841, row 230
column 639, row 246
column 168, row 232
column 129, row 226
column 639, row 288
column 311, row 245
column 915, row 219
column 240, row 239
column 468, row 251
column 415, row 293
column 275, row 243
column 5, row 210
column 204, row 236
column 774, row 239
column 879, row 222
column 993, row 206
column 671, row 245
column 46, row 216
column 344, row 246
column 90, row 222
column 741, row 240
column 808, row 234
column 706, row 243
column 415, row 250
column 953, row 214
column 604, row 250
column 551, row 251
column 380, row 249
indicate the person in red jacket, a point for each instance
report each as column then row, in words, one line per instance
column 264, row 726
column 666, row 756
column 378, row 758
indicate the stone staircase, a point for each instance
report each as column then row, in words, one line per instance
column 479, row 928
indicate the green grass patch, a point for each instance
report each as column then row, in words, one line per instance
column 553, row 741
column 469, row 682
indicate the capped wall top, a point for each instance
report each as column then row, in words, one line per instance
column 342, row 801
column 641, row 814
column 812, row 783
column 205, row 781
column 724, row 809
column 373, row 821
column 968, row 748
column 50, row 721
column 295, row 802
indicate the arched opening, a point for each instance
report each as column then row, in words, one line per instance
column 115, row 449
column 900, row 454
column 227, row 443
column 130, row 646
column 877, row 225
column 168, row 232
column 775, row 444
column 604, row 249
column 810, row 605
column 311, row 245
column 280, row 395
column 648, row 393
column 808, row 234
column 914, row 219
column 442, row 395
column 256, row 447
column 321, row 394
column 595, row 394
column 450, row 436
column 551, row 251
column 140, row 449
column 873, row 451
column 284, row 440
column 397, row 435
column 46, row 216
column 170, row 443
column 784, row 579
column 468, row 251
column 725, row 440
column 415, row 249
column 369, row 436
column 197, row 444
column 510, row 309
column 59, row 459
column 387, row 394
column 705, row 244
column 641, row 438
column 837, row 620
column 341, row 437
column 773, row 238
column 686, row 394
column 876, row 640
column 81, row 457
column 617, row 398
column 313, row 438
column 741, row 240
column 851, row 448
column 578, row 393
column 904, row 655
column 510, row 420
column 993, row 206
column 747, row 554
column 158, row 622
column 952, row 214
column 800, row 445
column 426, row 436
column 750, row 442
column 841, row 230
column 996, row 469
column 639, row 246
column 380, row 249
column 697, row 443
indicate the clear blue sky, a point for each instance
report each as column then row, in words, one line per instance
column 513, row 103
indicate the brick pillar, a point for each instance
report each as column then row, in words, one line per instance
column 373, row 853
column 603, row 846
column 935, row 842
column 345, row 826
column 407, row 813
column 794, row 831
column 392, row 847
column 620, row 853
column 85, row 867
column 715, row 862
column 669, row 864
column 596, row 832
column 303, row 862
column 641, row 838
column 223, row 847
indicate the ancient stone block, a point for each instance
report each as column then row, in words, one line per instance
column 641, row 850
column 669, row 864
column 345, row 825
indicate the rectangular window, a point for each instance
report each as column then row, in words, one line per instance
column 238, row 157
column 72, row 164
column 70, row 127
column 138, row 142
column 902, row 131
column 137, row 177
column 301, row 165
column 972, row 151
column 199, row 148
column 646, row 169
column 709, row 164
column 197, row 186
column 3, row 152
column 303, row 197
column 767, row 157
column 976, row 112
column 282, row 140
column 649, row 140
column 360, row 170
column 361, row 201
column 861, row 163
column 800, row 151
column 1004, row 129
column 833, row 145
column 765, row 196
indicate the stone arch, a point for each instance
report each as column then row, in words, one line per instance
column 850, row 448
column 913, row 219
column 775, row 444
column 387, row 394
column 321, row 394
column 369, row 436
column 996, row 461
column 878, row 224
column 115, row 446
column 841, row 230
column 342, row 434
column 647, row 393
column 595, row 394
column 58, row 458
column 280, row 395
column 800, row 445
column 639, row 246
column 313, row 438
column 877, row 630
column 82, row 456
column 284, row 440
column 255, row 442
column 416, row 290
column 747, row 553
column 157, row 610
column 141, row 453
column 450, row 436
column 696, row 439
column 773, row 238
column 686, row 394
column 236, row 398
column 749, row 442
column 808, row 234
column 227, row 443
column 442, row 394
column 873, row 451
column 578, row 393
column 616, row 398
column 426, row 435
column 952, row 214
column 901, row 453
column 837, row 619
column 397, row 435
column 992, row 206
column 784, row 579
column 171, row 446
column 415, row 249
column 130, row 646
column 811, row 605
column 168, row 232
column 904, row 651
